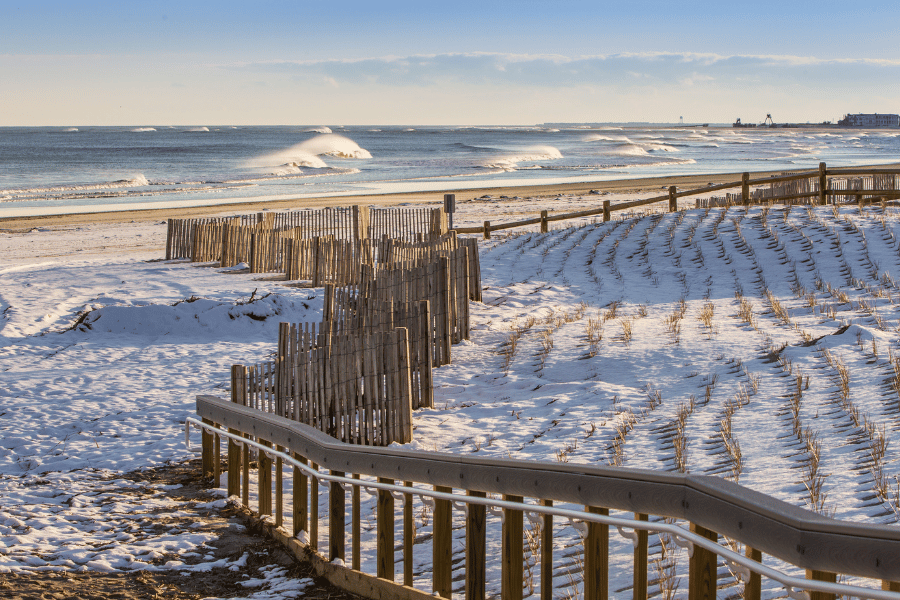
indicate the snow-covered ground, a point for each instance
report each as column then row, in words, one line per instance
column 757, row 345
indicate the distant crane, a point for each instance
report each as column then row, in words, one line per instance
column 768, row 122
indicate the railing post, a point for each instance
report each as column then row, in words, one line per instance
column 217, row 459
column 442, row 547
column 745, row 189
column 408, row 536
column 640, row 561
column 314, row 509
column 336, row 513
column 356, row 527
column 299, row 499
column 487, row 230
column 890, row 586
column 605, row 211
column 544, row 225
column 234, row 466
column 596, row 558
column 703, row 572
column 753, row 586
column 206, row 439
column 279, row 490
column 245, row 484
column 476, row 553
column 673, row 201
column 821, row 576
column 385, row 532
column 512, row 552
column 547, row 553
column 823, row 184
column 264, row 474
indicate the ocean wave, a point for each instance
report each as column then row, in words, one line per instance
column 306, row 154
column 599, row 137
column 70, row 129
column 137, row 181
column 197, row 130
column 318, row 130
column 142, row 129
column 529, row 155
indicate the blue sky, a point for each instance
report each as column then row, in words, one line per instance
column 124, row 63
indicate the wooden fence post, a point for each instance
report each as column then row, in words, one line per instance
column 476, row 553
column 547, row 554
column 442, row 546
column 823, row 184
column 487, row 230
column 605, row 211
column 673, row 201
column 745, row 189
column 356, row 527
column 640, row 561
column 703, row 570
column 264, row 486
column 208, row 454
column 512, row 552
column 544, row 224
column 314, row 509
column 336, row 513
column 408, row 536
column 753, row 586
column 596, row 558
column 299, row 500
column 385, row 532
column 821, row 576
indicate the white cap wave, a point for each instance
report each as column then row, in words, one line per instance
column 528, row 155
column 306, row 154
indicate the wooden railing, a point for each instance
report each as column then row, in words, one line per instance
column 822, row 193
column 583, row 494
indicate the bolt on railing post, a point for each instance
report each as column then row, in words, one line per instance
column 673, row 201
column 821, row 576
column 605, row 211
column 547, row 554
column 513, row 556
column 476, row 554
column 544, row 225
column 336, row 516
column 596, row 558
column 823, row 183
column 753, row 585
column 703, row 569
column 385, row 532
column 299, row 499
column 640, row 561
column 442, row 546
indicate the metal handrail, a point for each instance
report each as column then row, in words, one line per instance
column 681, row 536
column 792, row 534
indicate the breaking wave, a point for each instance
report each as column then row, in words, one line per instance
column 530, row 155
column 143, row 129
column 306, row 154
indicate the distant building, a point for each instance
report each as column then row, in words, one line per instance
column 870, row 120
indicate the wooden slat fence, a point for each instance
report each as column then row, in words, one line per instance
column 407, row 223
column 356, row 388
column 362, row 316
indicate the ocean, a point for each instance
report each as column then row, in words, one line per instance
column 55, row 170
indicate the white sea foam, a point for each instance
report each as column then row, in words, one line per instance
column 597, row 137
column 197, row 129
column 70, row 129
column 318, row 130
column 136, row 181
column 142, row 129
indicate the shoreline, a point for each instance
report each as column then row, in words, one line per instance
column 649, row 185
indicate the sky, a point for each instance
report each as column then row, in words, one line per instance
column 455, row 63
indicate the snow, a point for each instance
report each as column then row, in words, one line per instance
column 102, row 351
